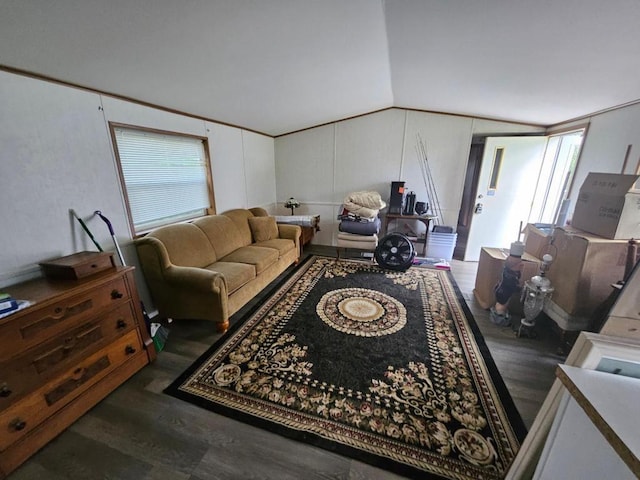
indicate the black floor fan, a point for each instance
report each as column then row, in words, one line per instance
column 395, row 252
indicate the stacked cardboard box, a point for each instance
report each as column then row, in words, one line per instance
column 490, row 266
column 537, row 238
column 609, row 206
column 584, row 267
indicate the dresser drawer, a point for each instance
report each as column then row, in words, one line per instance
column 22, row 417
column 41, row 322
column 39, row 436
column 24, row 373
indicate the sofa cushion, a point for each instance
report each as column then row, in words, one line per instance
column 239, row 217
column 282, row 245
column 263, row 228
column 259, row 212
column 222, row 233
column 186, row 245
column 235, row 274
column 261, row 258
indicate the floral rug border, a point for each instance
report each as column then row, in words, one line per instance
column 381, row 451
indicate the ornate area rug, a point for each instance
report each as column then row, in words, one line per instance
column 386, row 367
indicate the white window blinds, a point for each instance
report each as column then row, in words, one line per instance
column 165, row 177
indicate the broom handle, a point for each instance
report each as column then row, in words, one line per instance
column 86, row 229
column 113, row 235
column 626, row 159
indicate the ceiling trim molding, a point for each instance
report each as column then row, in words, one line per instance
column 334, row 121
column 38, row 76
column 550, row 127
column 588, row 116
column 478, row 117
column 395, row 107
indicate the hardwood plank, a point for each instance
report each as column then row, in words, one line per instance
column 138, row 432
column 74, row 456
column 257, row 453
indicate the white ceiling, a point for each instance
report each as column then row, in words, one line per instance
column 277, row 66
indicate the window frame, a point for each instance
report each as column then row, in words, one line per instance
column 123, row 184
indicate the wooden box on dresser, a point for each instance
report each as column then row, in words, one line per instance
column 76, row 343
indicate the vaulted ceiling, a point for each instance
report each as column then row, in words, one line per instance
column 277, row 66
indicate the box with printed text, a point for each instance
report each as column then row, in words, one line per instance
column 608, row 206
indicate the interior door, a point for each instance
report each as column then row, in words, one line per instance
column 506, row 188
column 468, row 198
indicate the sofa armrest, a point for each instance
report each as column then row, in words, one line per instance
column 199, row 279
column 291, row 232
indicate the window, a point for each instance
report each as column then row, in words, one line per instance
column 495, row 169
column 166, row 177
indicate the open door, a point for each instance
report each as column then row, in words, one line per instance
column 507, row 184
column 468, row 198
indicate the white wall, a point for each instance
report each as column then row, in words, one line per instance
column 56, row 154
column 605, row 146
column 320, row 166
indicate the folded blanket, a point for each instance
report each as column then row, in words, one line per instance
column 365, row 204
column 347, row 215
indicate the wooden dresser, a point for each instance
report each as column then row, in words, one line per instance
column 77, row 342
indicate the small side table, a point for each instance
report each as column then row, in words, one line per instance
column 426, row 219
column 309, row 224
column 307, row 235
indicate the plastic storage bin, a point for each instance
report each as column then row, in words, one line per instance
column 441, row 245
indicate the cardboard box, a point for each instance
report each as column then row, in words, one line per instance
column 537, row 238
column 608, row 206
column 490, row 266
column 583, row 269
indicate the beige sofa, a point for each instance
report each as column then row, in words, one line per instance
column 210, row 267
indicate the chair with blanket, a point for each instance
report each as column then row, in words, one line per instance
column 359, row 222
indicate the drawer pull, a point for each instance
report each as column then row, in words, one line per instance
column 69, row 343
column 129, row 350
column 120, row 324
column 18, row 424
column 115, row 294
column 5, row 391
column 54, row 318
column 77, row 378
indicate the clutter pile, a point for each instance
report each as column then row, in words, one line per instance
column 9, row 305
column 359, row 221
column 508, row 285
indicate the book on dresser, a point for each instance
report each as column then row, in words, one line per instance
column 76, row 341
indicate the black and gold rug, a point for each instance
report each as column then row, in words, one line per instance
column 386, row 367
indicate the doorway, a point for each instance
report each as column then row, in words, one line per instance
column 468, row 196
column 514, row 179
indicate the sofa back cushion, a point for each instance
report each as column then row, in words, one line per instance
column 222, row 232
column 186, row 245
column 259, row 212
column 240, row 218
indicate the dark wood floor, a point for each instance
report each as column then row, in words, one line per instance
column 140, row 433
